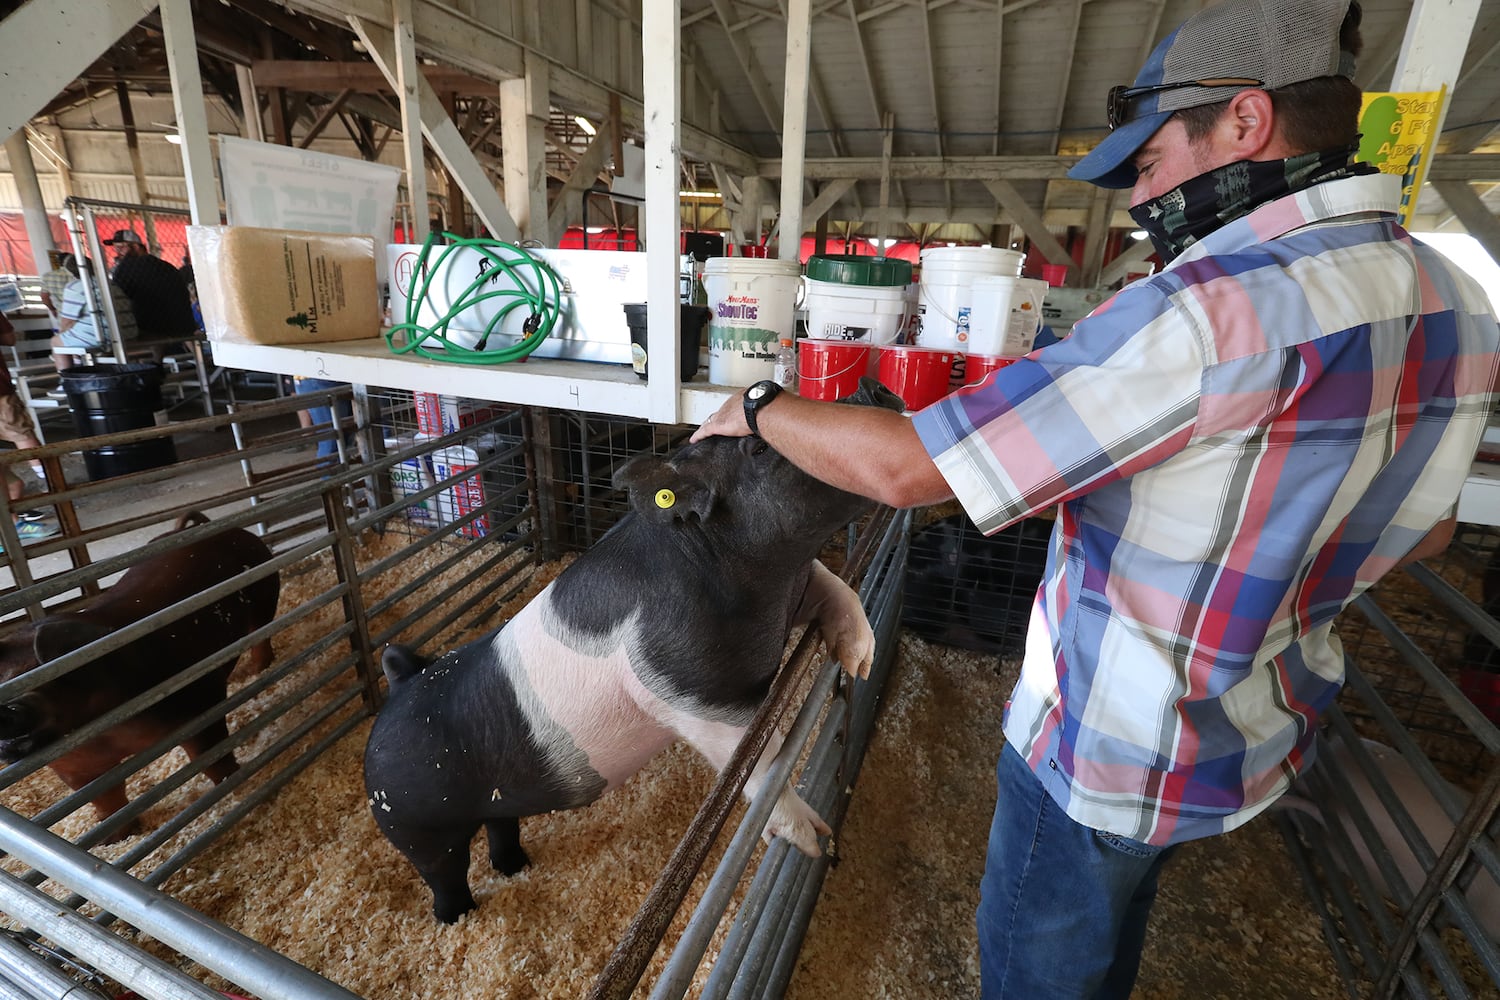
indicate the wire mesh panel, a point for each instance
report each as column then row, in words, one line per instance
column 973, row 591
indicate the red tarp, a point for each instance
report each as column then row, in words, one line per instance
column 15, row 247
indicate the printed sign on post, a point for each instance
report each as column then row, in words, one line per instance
column 279, row 187
column 1398, row 132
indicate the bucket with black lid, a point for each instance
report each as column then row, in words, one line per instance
column 108, row 398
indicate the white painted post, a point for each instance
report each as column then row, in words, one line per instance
column 523, row 117
column 181, row 43
column 661, row 43
column 33, row 211
column 411, row 119
column 794, row 126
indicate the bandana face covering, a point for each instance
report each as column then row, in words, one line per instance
column 1203, row 204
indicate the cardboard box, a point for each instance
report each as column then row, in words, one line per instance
column 280, row 286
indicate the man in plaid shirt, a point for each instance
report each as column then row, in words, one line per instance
column 1240, row 445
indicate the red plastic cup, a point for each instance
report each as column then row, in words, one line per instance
column 919, row 375
column 977, row 367
column 831, row 369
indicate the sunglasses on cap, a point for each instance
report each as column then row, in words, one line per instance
column 1120, row 97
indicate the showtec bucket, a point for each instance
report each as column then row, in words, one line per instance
column 945, row 291
column 1007, row 314
column 831, row 369
column 753, row 304
column 849, row 297
column 919, row 375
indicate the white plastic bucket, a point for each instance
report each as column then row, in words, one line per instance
column 1006, row 314
column 946, row 286
column 753, row 302
column 837, row 311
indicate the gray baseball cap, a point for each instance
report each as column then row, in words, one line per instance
column 1214, row 55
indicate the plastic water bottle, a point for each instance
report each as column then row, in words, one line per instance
column 785, row 373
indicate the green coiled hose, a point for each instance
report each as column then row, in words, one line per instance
column 543, row 297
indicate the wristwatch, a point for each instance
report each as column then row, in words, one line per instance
column 757, row 398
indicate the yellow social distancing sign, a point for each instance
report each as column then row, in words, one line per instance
column 1398, row 133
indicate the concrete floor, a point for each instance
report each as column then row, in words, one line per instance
column 197, row 479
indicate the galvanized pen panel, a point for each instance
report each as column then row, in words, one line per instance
column 427, row 525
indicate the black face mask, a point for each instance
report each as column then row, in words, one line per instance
column 1203, row 204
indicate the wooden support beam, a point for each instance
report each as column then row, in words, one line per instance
column 442, row 134
column 1471, row 210
column 359, row 76
column 44, row 47
column 1118, row 268
column 568, row 201
column 523, row 117
column 1096, row 236
column 324, row 117
column 1030, row 222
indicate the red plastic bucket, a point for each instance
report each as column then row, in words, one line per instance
column 831, row 369
column 919, row 375
column 977, row 366
column 1055, row 275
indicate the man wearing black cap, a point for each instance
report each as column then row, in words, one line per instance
column 158, row 293
column 1237, row 446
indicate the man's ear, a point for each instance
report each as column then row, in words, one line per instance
column 1249, row 128
column 661, row 493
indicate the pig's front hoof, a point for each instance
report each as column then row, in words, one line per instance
column 852, row 643
column 510, row 861
column 450, row 906
column 128, row 830
column 797, row 823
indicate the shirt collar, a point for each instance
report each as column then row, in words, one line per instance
column 1364, row 193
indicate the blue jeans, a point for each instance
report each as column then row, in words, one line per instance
column 1063, row 907
column 324, row 414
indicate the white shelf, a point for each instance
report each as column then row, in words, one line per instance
column 573, row 385
column 1479, row 501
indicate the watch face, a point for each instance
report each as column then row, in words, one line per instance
column 757, row 391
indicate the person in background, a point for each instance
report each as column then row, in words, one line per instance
column 1240, row 446
column 55, row 281
column 158, row 294
column 76, row 323
column 16, row 426
column 316, row 416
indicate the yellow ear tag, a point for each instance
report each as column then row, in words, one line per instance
column 665, row 498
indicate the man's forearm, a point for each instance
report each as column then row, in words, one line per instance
column 863, row 449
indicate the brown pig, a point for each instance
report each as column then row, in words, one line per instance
column 71, row 701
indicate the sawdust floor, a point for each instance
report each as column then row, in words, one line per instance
column 311, row 877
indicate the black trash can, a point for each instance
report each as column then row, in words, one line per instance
column 108, row 398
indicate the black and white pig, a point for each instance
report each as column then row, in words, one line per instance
column 671, row 626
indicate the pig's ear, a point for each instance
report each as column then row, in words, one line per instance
column 661, row 493
column 55, row 637
column 400, row 663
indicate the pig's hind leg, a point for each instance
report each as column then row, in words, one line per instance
column 204, row 740
column 441, row 857
column 506, row 853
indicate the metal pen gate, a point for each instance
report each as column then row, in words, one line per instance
column 421, row 537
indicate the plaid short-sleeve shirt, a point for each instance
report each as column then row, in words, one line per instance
column 1240, row 446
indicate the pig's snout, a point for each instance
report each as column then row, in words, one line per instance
column 21, row 726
